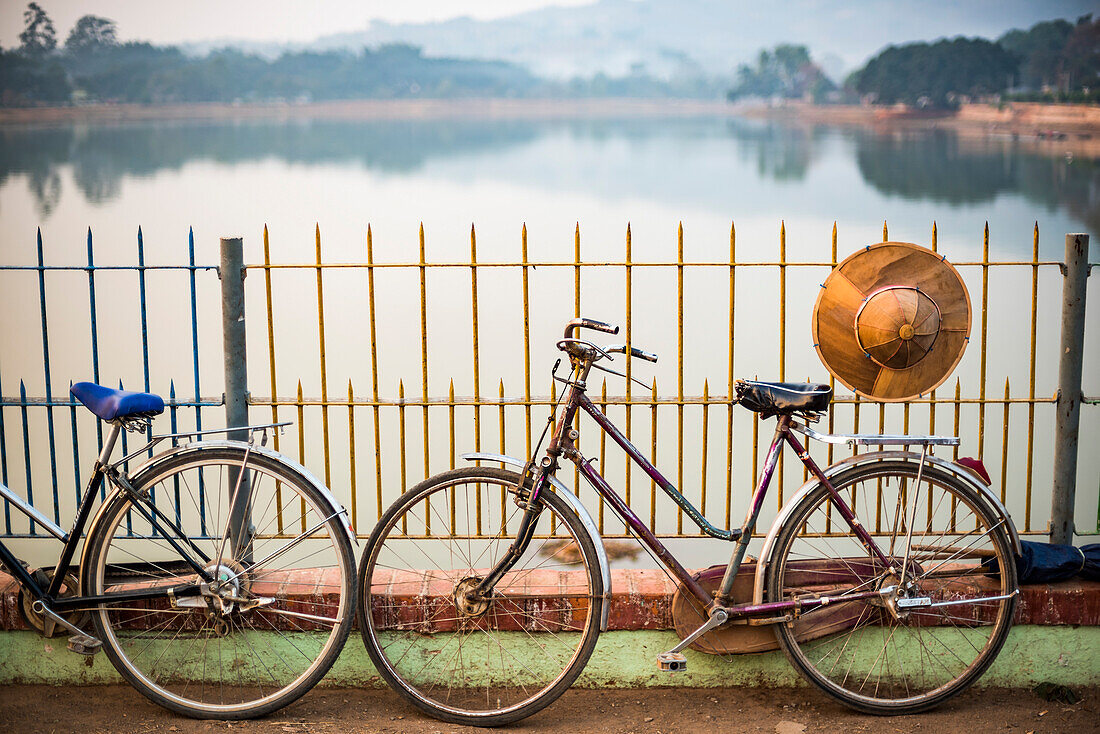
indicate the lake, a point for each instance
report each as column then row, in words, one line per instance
column 233, row 177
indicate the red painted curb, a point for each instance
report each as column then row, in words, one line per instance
column 641, row 599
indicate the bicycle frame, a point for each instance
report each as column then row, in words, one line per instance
column 562, row 444
column 168, row 529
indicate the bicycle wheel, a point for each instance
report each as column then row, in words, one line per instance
column 285, row 600
column 483, row 662
column 906, row 650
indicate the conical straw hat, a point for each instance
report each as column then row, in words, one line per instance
column 892, row 321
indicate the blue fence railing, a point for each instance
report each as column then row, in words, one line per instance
column 90, row 352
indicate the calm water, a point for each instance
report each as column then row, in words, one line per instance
column 232, row 178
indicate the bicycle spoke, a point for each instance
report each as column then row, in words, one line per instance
column 217, row 661
column 490, row 663
column 893, row 658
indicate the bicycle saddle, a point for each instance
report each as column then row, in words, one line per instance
column 771, row 398
column 111, row 404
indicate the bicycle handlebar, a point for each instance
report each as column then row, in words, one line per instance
column 589, row 324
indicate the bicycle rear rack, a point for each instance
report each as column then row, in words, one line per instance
column 157, row 438
column 874, row 439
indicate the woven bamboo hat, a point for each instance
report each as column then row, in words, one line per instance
column 892, row 321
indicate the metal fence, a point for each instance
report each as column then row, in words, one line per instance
column 470, row 337
column 33, row 428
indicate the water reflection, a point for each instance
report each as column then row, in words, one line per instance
column 937, row 166
column 940, row 166
column 781, row 152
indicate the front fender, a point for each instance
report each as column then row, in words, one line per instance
column 958, row 471
column 586, row 520
column 294, row 467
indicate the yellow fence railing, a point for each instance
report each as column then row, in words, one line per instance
column 423, row 360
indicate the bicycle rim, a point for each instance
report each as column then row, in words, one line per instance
column 905, row 652
column 464, row 660
column 295, row 568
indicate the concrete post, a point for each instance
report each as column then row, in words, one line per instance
column 1068, row 407
column 231, row 273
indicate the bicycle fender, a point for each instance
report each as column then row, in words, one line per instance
column 959, row 472
column 334, row 505
column 577, row 507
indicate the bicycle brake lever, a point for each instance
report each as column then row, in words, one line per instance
column 620, row 374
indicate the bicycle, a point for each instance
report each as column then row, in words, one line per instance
column 877, row 577
column 217, row 576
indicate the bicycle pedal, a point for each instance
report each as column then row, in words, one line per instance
column 84, row 645
column 672, row 662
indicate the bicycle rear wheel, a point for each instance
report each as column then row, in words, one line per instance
column 288, row 583
column 481, row 662
column 909, row 650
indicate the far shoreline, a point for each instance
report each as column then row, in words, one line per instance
column 1052, row 128
column 375, row 109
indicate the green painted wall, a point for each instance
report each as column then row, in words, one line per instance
column 1032, row 654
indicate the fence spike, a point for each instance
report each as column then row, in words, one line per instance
column 351, row 455
column 500, row 394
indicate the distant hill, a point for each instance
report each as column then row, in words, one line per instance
column 670, row 38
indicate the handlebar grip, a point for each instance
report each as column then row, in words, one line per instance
column 589, row 324
column 634, row 352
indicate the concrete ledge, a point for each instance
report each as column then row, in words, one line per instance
column 623, row 659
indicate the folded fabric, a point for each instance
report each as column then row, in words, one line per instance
column 1041, row 563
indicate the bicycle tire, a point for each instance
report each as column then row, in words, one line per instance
column 873, row 655
column 192, row 659
column 524, row 647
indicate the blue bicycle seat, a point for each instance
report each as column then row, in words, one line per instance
column 111, row 404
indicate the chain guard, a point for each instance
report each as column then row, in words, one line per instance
column 40, row 623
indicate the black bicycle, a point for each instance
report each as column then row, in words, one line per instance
column 218, row 576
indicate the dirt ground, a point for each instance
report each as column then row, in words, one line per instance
column 778, row 711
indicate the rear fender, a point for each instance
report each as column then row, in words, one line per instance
column 151, row 466
column 950, row 467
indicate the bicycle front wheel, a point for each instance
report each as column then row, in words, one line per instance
column 281, row 603
column 458, row 656
column 943, row 604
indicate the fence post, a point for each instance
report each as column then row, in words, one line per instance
column 1068, row 407
column 231, row 274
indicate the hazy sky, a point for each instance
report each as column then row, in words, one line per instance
column 268, row 20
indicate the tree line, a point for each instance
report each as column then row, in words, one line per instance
column 1051, row 61
column 93, row 65
column 1054, row 61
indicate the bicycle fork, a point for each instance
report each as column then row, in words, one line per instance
column 526, row 532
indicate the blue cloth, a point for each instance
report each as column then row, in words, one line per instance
column 1042, row 563
column 110, row 404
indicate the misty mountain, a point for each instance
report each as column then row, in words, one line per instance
column 675, row 38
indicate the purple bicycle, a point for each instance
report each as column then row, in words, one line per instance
column 888, row 578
